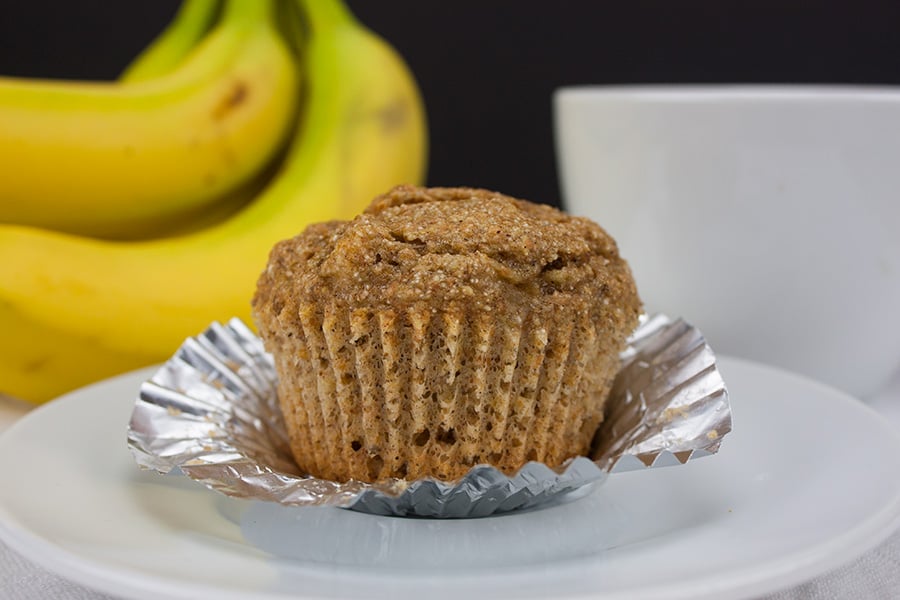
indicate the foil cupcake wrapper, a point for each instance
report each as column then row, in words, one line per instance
column 211, row 411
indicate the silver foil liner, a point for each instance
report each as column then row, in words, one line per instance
column 212, row 412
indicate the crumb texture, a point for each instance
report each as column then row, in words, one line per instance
column 444, row 328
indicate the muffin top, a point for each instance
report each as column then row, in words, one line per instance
column 448, row 246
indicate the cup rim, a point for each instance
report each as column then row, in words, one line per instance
column 676, row 93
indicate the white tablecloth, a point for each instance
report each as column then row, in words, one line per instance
column 874, row 576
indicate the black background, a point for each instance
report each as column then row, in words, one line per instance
column 488, row 69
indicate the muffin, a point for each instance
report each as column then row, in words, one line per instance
column 441, row 329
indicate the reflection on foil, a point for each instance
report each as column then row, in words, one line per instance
column 212, row 411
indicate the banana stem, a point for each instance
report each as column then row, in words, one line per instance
column 247, row 12
column 325, row 14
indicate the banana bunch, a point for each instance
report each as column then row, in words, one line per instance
column 134, row 213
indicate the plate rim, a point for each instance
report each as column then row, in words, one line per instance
column 762, row 578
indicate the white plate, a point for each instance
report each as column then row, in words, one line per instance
column 808, row 480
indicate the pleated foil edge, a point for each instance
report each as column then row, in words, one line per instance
column 212, row 412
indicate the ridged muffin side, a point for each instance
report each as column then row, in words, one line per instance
column 441, row 329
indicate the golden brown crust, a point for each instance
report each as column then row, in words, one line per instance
column 442, row 328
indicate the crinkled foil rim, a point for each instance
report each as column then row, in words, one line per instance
column 212, row 412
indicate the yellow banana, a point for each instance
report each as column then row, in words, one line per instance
column 119, row 160
column 76, row 309
column 175, row 43
column 167, row 52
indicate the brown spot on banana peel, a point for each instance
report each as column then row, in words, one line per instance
column 35, row 365
column 236, row 96
column 394, row 115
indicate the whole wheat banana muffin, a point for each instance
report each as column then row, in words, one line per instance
column 441, row 329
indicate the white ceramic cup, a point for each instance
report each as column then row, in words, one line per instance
column 768, row 216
